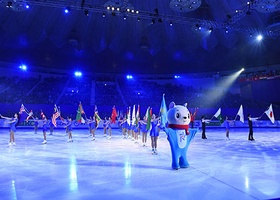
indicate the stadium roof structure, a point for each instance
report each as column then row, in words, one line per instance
column 140, row 36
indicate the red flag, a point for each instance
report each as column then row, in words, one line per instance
column 114, row 115
column 55, row 115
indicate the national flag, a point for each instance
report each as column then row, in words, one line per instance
column 137, row 115
column 96, row 115
column 114, row 115
column 22, row 109
column 55, row 115
column 269, row 113
column 149, row 117
column 128, row 116
column 133, row 116
column 163, row 112
column 241, row 114
column 22, row 114
column 30, row 114
column 43, row 115
column 218, row 115
column 80, row 111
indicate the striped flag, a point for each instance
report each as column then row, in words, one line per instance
column 55, row 115
column 96, row 115
column 80, row 112
column 149, row 118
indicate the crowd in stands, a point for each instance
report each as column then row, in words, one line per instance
column 108, row 91
column 255, row 76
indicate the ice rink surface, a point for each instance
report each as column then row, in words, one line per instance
column 119, row 168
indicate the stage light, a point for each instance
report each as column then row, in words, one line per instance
column 27, row 6
column 103, row 15
column 129, row 77
column 176, row 76
column 210, row 29
column 9, row 4
column 138, row 19
column 23, row 67
column 124, row 17
column 170, row 24
column 259, row 37
column 242, row 69
column 78, row 74
column 226, row 30
column 66, row 10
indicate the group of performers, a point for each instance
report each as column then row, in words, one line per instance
column 129, row 130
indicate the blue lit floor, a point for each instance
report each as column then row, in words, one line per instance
column 120, row 169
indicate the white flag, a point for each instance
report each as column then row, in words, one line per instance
column 128, row 116
column 241, row 114
column 218, row 113
column 133, row 116
column 269, row 113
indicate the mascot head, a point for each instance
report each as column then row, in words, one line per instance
column 178, row 116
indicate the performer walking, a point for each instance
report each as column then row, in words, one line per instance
column 154, row 133
column 203, row 122
column 68, row 127
column 143, row 127
column 109, row 127
column 44, row 127
column 250, row 123
column 12, row 121
column 227, row 124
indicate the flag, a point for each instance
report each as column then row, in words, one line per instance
column 163, row 112
column 149, row 117
column 269, row 113
column 241, row 114
column 137, row 115
column 30, row 114
column 133, row 116
column 22, row 114
column 219, row 116
column 128, row 116
column 96, row 115
column 55, row 115
column 114, row 114
column 22, row 109
column 43, row 115
column 80, row 111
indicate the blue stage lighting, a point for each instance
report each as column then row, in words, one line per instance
column 176, row 76
column 129, row 77
column 23, row 67
column 66, row 10
column 259, row 37
column 78, row 73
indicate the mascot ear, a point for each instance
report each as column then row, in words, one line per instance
column 171, row 105
column 185, row 104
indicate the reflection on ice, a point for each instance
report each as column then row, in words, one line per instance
column 73, row 183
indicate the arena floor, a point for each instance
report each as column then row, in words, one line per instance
column 121, row 169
